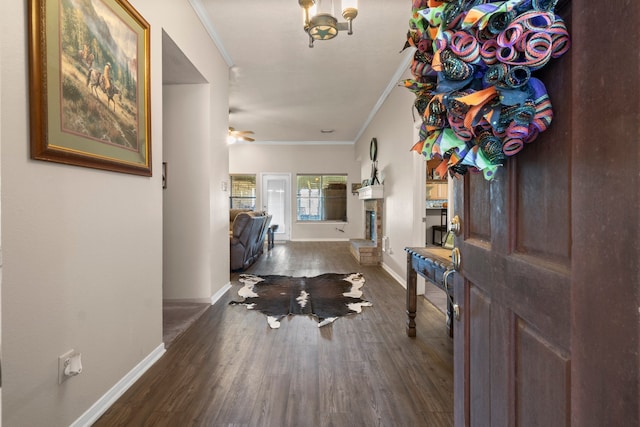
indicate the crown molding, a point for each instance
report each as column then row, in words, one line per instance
column 202, row 14
column 294, row 143
column 404, row 65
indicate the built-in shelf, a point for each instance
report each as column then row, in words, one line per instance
column 371, row 192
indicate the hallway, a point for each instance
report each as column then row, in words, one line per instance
column 229, row 368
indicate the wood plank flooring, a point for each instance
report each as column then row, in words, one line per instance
column 177, row 317
column 231, row 369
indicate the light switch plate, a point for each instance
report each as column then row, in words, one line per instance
column 63, row 360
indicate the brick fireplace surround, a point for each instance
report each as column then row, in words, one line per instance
column 366, row 251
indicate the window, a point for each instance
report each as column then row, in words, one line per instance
column 322, row 197
column 243, row 192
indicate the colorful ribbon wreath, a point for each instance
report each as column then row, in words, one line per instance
column 472, row 77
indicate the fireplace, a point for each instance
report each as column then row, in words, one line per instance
column 370, row 225
column 368, row 251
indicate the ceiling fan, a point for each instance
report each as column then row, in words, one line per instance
column 239, row 135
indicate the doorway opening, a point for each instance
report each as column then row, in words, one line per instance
column 276, row 196
column 182, row 84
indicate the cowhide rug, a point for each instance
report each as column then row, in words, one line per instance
column 326, row 297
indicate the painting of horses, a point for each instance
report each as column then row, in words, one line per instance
column 91, row 85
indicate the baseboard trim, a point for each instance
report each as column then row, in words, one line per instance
column 100, row 407
column 330, row 239
column 188, row 300
column 215, row 297
column 395, row 275
column 403, row 282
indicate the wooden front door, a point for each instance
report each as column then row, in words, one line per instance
column 548, row 283
column 512, row 343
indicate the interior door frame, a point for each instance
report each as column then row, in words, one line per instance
column 283, row 232
column 419, row 204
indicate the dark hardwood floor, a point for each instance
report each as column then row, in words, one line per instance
column 231, row 369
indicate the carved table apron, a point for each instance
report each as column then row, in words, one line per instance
column 432, row 264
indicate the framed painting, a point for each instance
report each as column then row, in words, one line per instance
column 89, row 77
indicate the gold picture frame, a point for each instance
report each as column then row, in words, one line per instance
column 89, row 76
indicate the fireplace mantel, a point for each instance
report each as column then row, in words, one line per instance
column 371, row 192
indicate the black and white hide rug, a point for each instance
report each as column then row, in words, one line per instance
column 327, row 296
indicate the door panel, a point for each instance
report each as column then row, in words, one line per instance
column 502, row 368
column 480, row 218
column 480, row 347
column 540, row 402
column 542, row 195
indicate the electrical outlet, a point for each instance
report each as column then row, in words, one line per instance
column 63, row 361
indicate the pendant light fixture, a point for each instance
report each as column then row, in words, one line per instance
column 320, row 22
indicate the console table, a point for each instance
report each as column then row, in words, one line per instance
column 430, row 263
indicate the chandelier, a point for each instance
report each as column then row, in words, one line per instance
column 319, row 20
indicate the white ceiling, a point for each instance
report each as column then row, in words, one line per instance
column 286, row 92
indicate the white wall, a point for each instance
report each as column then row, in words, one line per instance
column 186, row 272
column 401, row 169
column 82, row 248
column 308, row 159
column 1, row 127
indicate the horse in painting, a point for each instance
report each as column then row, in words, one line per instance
column 95, row 80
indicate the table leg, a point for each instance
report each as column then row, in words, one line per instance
column 411, row 297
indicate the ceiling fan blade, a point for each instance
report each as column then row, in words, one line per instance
column 241, row 134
